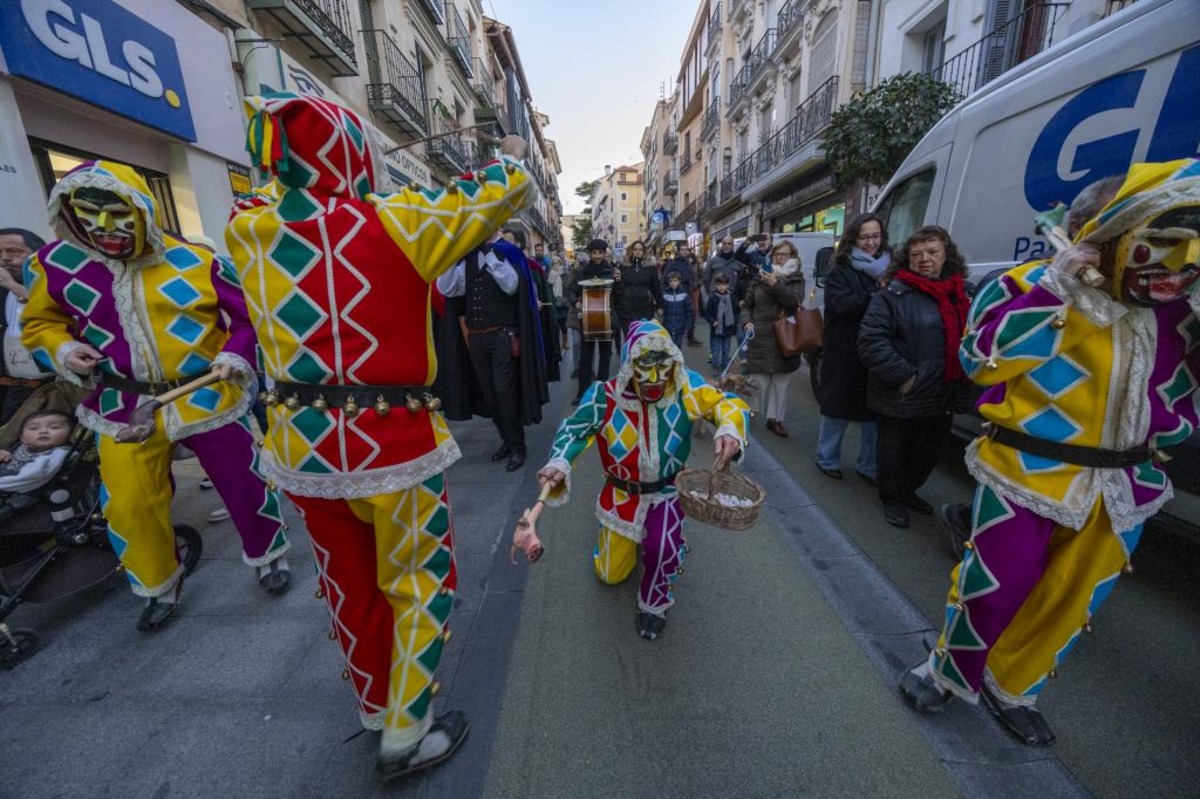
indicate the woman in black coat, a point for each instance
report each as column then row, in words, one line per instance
column 909, row 343
column 862, row 257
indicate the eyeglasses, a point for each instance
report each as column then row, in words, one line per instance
column 869, row 237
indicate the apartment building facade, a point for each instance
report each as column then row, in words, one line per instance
column 617, row 207
column 659, row 144
column 410, row 69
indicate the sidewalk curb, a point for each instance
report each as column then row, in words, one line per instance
column 984, row 761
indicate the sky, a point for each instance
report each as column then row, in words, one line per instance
column 596, row 67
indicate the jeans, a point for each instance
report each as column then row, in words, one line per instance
column 829, row 445
column 720, row 348
column 680, row 339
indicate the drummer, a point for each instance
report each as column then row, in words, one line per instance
column 598, row 267
column 638, row 505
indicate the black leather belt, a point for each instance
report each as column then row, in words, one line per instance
column 149, row 389
column 1091, row 457
column 634, row 487
column 322, row 397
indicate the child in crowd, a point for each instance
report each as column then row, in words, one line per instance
column 43, row 447
column 722, row 315
column 678, row 313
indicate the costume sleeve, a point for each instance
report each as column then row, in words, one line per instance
column 436, row 229
column 575, row 435
column 34, row 474
column 1026, row 318
column 46, row 329
column 239, row 350
column 453, row 282
column 729, row 413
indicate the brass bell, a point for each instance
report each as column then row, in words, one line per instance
column 509, row 168
column 1127, row 568
column 1052, row 674
column 1160, row 456
column 333, row 635
column 434, row 688
column 412, row 404
column 271, row 486
column 1088, row 628
column 991, row 365
column 284, row 527
column 443, row 590
column 319, row 404
column 345, row 674
column 414, row 186
column 350, row 408
column 957, row 606
column 968, row 545
column 272, row 398
column 382, row 406
column 292, row 403
column 939, row 652
column 319, row 593
column 451, row 187
column 432, row 403
column 446, row 637
column 1058, row 323
column 262, row 396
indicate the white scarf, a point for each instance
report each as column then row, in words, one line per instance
column 788, row 268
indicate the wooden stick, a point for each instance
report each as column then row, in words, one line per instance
column 188, row 388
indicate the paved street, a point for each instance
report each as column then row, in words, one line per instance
column 775, row 676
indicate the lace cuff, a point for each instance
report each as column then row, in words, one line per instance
column 562, row 493
column 1094, row 304
column 60, row 362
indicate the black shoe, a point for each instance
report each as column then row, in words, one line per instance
column 1023, row 721
column 836, row 474
column 158, row 610
column 516, row 460
column 650, row 626
column 923, row 693
column 957, row 520
column 695, row 343
column 443, row 739
column 919, row 505
column 275, row 577
column 895, row 514
column 502, row 453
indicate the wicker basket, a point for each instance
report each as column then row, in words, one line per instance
column 705, row 508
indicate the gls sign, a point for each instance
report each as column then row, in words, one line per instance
column 101, row 53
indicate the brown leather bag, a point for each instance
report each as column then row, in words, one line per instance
column 803, row 332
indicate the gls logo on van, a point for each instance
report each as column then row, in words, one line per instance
column 101, row 53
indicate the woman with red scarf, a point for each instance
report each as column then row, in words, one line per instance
column 909, row 343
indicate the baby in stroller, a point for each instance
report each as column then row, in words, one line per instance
column 44, row 446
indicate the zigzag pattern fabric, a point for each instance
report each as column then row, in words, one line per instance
column 392, row 642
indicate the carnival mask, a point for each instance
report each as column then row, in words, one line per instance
column 652, row 373
column 1160, row 262
column 112, row 225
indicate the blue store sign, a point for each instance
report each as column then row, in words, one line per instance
column 99, row 52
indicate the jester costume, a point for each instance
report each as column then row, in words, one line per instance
column 643, row 441
column 338, row 280
column 1086, row 386
column 161, row 312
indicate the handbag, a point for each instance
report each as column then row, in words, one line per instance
column 800, row 333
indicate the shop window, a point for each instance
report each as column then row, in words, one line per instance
column 55, row 160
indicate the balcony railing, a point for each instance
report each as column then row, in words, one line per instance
column 322, row 26
column 458, row 39
column 394, row 87
column 685, row 162
column 715, row 22
column 450, row 153
column 670, row 185
column 712, row 119
column 482, row 84
column 812, row 117
column 737, row 87
column 434, row 9
column 1023, row 36
column 790, row 20
column 712, row 195
column 670, row 142
column 760, row 56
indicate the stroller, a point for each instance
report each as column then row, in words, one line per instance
column 54, row 540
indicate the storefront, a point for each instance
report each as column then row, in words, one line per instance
column 812, row 207
column 86, row 79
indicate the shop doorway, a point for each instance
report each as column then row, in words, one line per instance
column 55, row 160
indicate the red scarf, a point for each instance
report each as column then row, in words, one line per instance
column 952, row 307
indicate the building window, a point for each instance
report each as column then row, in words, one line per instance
column 624, row 197
column 624, row 219
column 822, row 61
column 933, row 47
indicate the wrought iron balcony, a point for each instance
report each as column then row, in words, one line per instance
column 1023, row 36
column 449, row 153
column 715, row 23
column 760, row 56
column 670, row 185
column 458, row 39
column 670, row 142
column 712, row 119
column 737, row 88
column 394, row 88
column 322, row 26
column 784, row 147
column 712, row 195
column 434, row 10
column 685, row 162
column 737, row 7
column 482, row 84
column 790, row 23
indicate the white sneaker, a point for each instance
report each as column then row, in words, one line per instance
column 219, row 515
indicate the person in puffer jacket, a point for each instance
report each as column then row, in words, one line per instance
column 640, row 294
column 678, row 313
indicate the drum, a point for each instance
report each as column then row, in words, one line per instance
column 595, row 309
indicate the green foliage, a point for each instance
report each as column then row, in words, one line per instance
column 869, row 137
column 584, row 190
column 581, row 232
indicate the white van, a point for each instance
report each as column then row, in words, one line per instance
column 1124, row 90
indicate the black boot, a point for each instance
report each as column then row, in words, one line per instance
column 502, row 453
column 443, row 739
column 516, row 460
column 159, row 609
column 275, row 577
column 957, row 521
column 650, row 626
column 895, row 514
column 1024, row 721
column 923, row 693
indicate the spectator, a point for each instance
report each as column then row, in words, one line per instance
column 685, row 264
column 722, row 315
column 561, row 307
column 909, row 344
column 597, row 268
column 678, row 315
column 21, row 374
column 770, row 296
column 861, row 259
column 574, row 317
column 722, row 263
column 641, row 294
